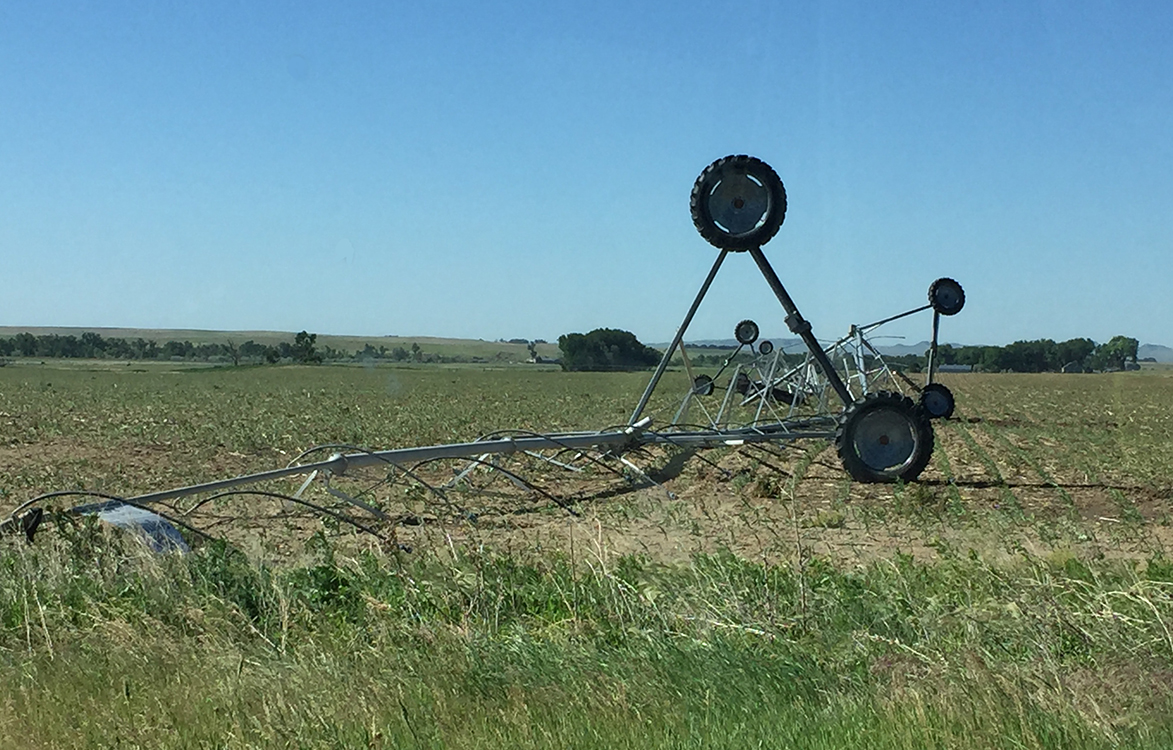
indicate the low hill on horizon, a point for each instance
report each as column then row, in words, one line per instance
column 1155, row 351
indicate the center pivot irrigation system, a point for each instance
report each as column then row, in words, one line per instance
column 845, row 392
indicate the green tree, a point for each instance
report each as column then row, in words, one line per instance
column 26, row 344
column 304, row 349
column 92, row 344
column 1113, row 354
column 367, row 352
column 144, row 349
column 176, row 350
column 605, row 349
column 252, row 350
column 1030, row 356
column 1075, row 350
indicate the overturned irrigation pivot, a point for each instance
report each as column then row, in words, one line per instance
column 843, row 392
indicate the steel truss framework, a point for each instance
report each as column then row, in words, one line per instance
column 844, row 392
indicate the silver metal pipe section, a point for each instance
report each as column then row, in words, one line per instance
column 733, row 437
column 338, row 464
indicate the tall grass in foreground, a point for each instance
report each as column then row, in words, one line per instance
column 102, row 644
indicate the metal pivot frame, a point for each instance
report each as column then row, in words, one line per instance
column 857, row 335
column 860, row 365
column 738, row 203
column 794, row 321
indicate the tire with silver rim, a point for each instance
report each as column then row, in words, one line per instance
column 937, row 401
column 738, row 203
column 884, row 437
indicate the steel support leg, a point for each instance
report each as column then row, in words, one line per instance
column 798, row 325
column 932, row 364
column 696, row 303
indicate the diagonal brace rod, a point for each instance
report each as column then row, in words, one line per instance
column 801, row 326
column 696, row 303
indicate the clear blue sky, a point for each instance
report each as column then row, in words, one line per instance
column 522, row 169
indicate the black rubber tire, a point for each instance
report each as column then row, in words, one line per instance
column 702, row 386
column 884, row 437
column 741, row 384
column 746, row 332
column 946, row 296
column 937, row 401
column 745, row 194
column 765, row 348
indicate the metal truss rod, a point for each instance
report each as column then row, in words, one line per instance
column 879, row 323
column 696, row 303
column 338, row 463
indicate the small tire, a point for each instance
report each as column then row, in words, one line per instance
column 738, row 203
column 741, row 384
column 766, row 348
column 884, row 437
column 746, row 332
column 937, row 401
column 702, row 386
column 946, row 296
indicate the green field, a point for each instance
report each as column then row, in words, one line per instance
column 1019, row 595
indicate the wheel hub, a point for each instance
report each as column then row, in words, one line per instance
column 885, row 440
column 739, row 203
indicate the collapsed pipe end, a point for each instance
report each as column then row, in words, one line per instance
column 338, row 464
column 638, row 427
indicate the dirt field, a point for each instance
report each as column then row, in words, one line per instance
column 1077, row 465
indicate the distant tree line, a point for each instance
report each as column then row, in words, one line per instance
column 1041, row 355
column 95, row 346
column 742, row 357
column 1044, row 355
column 303, row 349
column 601, row 349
